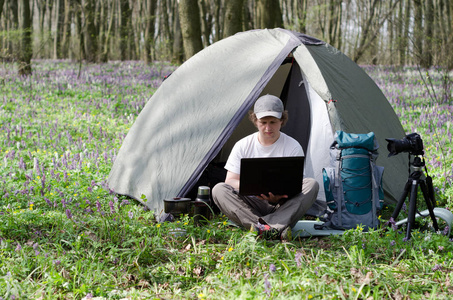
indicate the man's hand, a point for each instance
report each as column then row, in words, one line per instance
column 272, row 198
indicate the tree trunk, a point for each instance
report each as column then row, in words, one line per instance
column 334, row 22
column 405, row 35
column 167, row 33
column 2, row 2
column 233, row 17
column 269, row 14
column 106, row 42
column 103, row 24
column 91, row 45
column 429, row 35
column 218, row 28
column 66, row 32
column 56, row 38
column 418, row 31
column 302, row 16
column 189, row 17
column 448, row 9
column 149, row 29
column 126, row 15
column 14, row 46
column 206, row 21
column 26, row 52
column 391, row 37
column 48, row 35
column 177, row 52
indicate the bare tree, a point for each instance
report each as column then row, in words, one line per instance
column 268, row 14
column 125, row 19
column 373, row 23
column 56, row 38
column 150, row 8
column 177, row 47
column 189, row 17
column 418, row 31
column 2, row 2
column 429, row 23
column 233, row 17
column 66, row 30
column 26, row 52
column 335, row 9
column 90, row 33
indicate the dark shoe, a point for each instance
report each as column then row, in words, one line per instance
column 266, row 232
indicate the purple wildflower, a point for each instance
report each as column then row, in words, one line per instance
column 56, row 262
column 125, row 202
column 267, row 285
column 272, row 268
column 298, row 258
column 392, row 222
column 112, row 207
column 446, row 230
column 18, row 248
column 437, row 267
column 392, row 243
column 441, row 248
column 130, row 214
column 68, row 213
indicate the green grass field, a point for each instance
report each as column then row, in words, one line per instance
column 63, row 235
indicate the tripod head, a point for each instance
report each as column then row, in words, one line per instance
column 416, row 164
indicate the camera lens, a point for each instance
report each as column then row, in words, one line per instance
column 395, row 146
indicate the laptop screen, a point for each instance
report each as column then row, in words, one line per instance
column 278, row 175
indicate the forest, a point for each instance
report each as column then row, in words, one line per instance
column 391, row 32
column 75, row 75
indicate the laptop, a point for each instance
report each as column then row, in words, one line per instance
column 278, row 175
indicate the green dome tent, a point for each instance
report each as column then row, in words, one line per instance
column 200, row 111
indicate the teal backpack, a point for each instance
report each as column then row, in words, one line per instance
column 353, row 189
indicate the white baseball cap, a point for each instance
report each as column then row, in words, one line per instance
column 268, row 106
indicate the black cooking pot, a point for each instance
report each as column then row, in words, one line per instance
column 177, row 206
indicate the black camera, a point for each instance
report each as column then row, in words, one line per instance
column 411, row 143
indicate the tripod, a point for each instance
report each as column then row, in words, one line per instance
column 414, row 181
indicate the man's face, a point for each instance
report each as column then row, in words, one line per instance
column 269, row 128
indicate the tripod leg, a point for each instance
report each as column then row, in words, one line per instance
column 412, row 208
column 400, row 203
column 429, row 204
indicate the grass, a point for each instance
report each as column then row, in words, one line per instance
column 63, row 235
